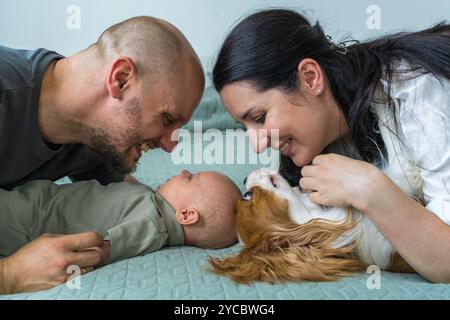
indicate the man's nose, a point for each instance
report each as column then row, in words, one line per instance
column 169, row 141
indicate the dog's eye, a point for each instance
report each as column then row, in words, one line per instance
column 247, row 196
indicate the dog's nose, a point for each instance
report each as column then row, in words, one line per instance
column 245, row 181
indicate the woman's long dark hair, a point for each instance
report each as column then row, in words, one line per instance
column 266, row 48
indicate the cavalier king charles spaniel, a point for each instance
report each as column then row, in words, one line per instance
column 287, row 237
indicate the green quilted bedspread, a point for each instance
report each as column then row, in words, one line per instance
column 180, row 272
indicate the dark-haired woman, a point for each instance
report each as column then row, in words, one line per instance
column 354, row 117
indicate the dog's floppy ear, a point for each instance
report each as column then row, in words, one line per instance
column 312, row 253
column 240, row 268
column 250, row 264
column 293, row 253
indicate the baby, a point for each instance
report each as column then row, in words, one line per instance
column 190, row 209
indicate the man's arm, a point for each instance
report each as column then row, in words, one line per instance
column 3, row 286
column 42, row 263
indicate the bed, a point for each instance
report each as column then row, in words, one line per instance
column 180, row 272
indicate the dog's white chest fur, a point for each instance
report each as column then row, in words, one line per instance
column 372, row 247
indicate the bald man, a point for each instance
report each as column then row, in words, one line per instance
column 89, row 116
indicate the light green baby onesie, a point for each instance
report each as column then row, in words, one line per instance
column 134, row 218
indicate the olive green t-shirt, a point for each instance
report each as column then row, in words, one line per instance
column 24, row 155
column 134, row 218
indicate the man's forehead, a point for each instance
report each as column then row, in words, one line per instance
column 179, row 104
column 188, row 97
column 184, row 110
column 180, row 113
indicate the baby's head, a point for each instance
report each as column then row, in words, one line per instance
column 204, row 204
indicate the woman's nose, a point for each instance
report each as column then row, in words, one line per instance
column 258, row 139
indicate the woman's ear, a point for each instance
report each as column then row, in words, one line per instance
column 310, row 77
column 119, row 77
column 187, row 216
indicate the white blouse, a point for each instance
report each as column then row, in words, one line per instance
column 419, row 148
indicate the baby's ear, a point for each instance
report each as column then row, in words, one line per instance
column 187, row 216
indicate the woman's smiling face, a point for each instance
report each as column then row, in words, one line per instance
column 306, row 126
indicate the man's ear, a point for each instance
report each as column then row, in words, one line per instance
column 310, row 77
column 187, row 216
column 122, row 71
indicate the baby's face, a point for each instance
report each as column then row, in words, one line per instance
column 181, row 190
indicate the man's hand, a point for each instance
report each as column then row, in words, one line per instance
column 43, row 263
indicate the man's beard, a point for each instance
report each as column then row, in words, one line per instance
column 102, row 143
column 106, row 145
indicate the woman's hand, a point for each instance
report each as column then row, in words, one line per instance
column 338, row 181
